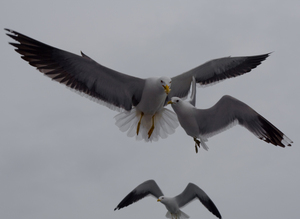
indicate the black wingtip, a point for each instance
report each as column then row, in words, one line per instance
column 84, row 55
column 9, row 30
column 273, row 135
column 12, row 34
column 262, row 57
column 268, row 54
column 215, row 210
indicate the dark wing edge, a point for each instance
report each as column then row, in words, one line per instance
column 229, row 111
column 130, row 199
column 214, row 71
column 191, row 192
column 228, row 67
column 148, row 187
column 80, row 73
column 267, row 132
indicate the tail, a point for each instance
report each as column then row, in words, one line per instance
column 165, row 123
column 179, row 215
column 202, row 142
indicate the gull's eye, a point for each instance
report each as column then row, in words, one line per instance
column 177, row 101
column 161, row 81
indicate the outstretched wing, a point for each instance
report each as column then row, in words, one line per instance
column 148, row 187
column 228, row 111
column 81, row 73
column 191, row 192
column 214, row 71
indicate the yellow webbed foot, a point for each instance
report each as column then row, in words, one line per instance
column 139, row 124
column 152, row 127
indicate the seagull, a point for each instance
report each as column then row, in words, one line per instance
column 141, row 102
column 174, row 204
column 228, row 111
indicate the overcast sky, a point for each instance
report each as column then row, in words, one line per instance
column 62, row 156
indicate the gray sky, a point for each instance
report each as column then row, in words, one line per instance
column 62, row 156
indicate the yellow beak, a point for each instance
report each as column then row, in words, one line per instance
column 167, row 89
column 169, row 102
column 158, row 200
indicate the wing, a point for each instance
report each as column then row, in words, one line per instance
column 214, row 71
column 148, row 187
column 80, row 73
column 191, row 192
column 228, row 111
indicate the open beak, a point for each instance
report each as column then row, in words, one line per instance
column 167, row 89
column 169, row 102
column 158, row 200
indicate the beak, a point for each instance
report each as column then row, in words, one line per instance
column 169, row 102
column 158, row 200
column 167, row 89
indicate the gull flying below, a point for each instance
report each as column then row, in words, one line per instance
column 141, row 101
column 173, row 204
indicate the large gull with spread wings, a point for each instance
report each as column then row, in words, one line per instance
column 173, row 204
column 142, row 101
column 228, row 111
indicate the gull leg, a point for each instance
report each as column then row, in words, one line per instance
column 197, row 144
column 152, row 127
column 139, row 124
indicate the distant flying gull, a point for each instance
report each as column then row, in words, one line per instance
column 141, row 101
column 228, row 111
column 172, row 204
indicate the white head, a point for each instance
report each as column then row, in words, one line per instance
column 169, row 202
column 161, row 199
column 180, row 106
column 175, row 100
column 166, row 84
column 172, row 206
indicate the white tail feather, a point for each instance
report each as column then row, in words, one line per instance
column 179, row 215
column 165, row 123
column 202, row 142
